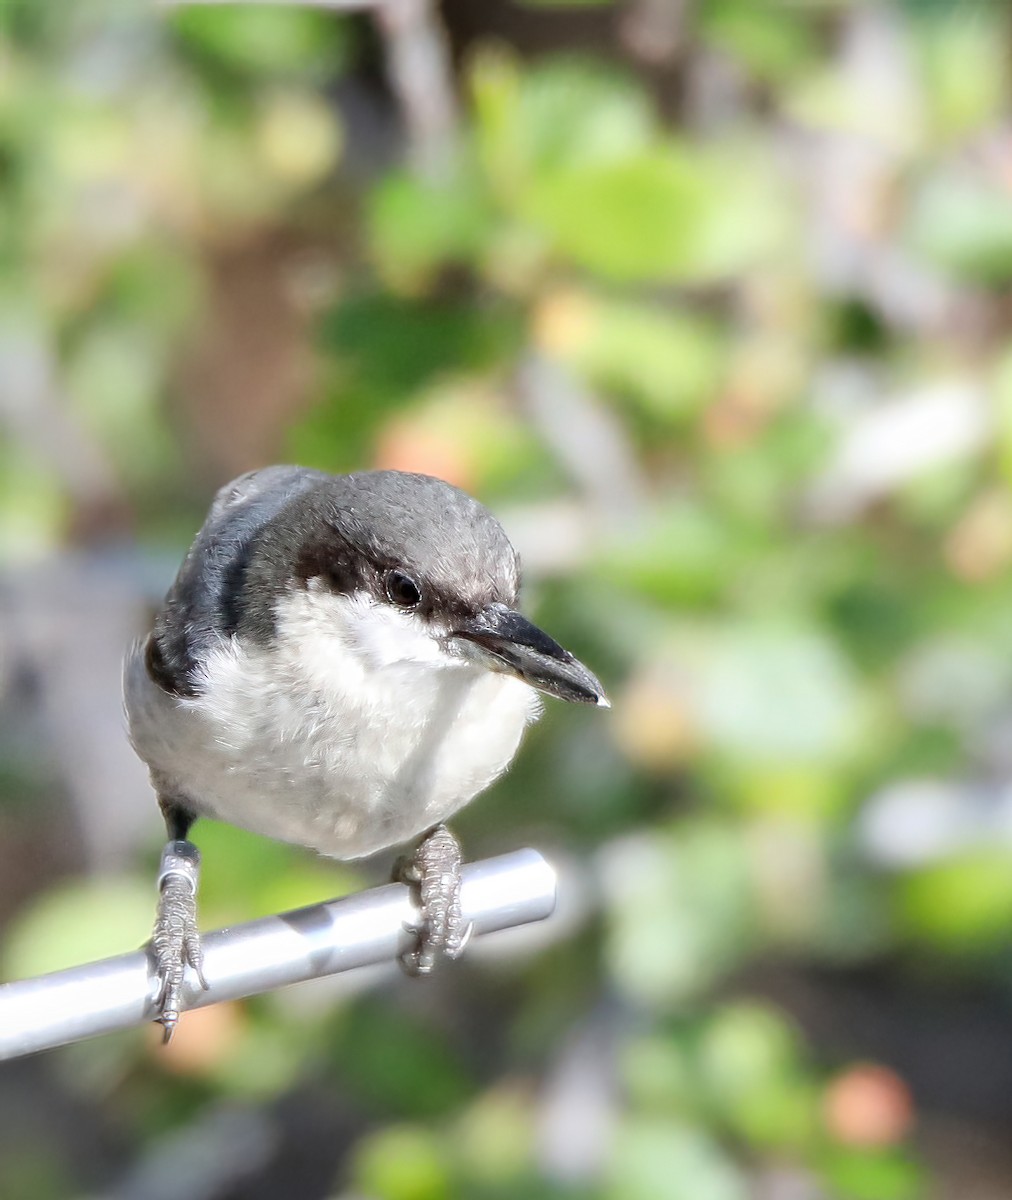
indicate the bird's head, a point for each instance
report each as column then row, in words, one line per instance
column 417, row 572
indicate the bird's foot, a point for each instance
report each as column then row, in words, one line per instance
column 175, row 942
column 433, row 870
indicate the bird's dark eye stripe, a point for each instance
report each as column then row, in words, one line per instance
column 402, row 590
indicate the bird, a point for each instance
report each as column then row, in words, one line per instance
column 339, row 664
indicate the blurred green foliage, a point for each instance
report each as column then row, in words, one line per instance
column 738, row 278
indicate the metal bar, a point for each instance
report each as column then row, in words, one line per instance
column 323, row 939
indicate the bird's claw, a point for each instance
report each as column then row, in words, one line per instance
column 175, row 942
column 434, row 871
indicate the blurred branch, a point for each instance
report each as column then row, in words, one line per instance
column 41, row 423
column 421, row 76
column 584, row 435
column 370, row 927
column 418, row 68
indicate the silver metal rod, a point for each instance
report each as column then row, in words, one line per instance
column 324, row 939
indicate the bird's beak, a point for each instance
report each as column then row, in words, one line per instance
column 509, row 641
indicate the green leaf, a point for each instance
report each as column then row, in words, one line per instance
column 641, row 559
column 965, row 226
column 744, row 1049
column 495, row 1137
column 392, row 348
column 397, row 1063
column 563, row 115
column 401, row 1162
column 963, row 904
column 679, row 915
column 263, row 39
column 637, row 219
column 33, row 505
column 750, row 1065
column 873, row 1175
column 773, row 42
column 667, row 363
column 386, row 352
column 963, row 65
column 1001, row 387
column 657, row 1075
column 773, row 692
column 415, row 227
column 654, row 1159
column 79, row 922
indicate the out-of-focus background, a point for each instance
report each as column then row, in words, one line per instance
column 709, row 301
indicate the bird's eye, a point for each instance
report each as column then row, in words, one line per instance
column 402, row 590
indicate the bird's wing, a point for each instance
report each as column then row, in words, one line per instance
column 200, row 608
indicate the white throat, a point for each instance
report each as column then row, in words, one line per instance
column 379, row 636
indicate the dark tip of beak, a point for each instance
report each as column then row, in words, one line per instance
column 514, row 643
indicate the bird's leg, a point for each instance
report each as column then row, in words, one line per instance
column 434, row 871
column 175, row 942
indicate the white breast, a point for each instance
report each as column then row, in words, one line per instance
column 356, row 731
